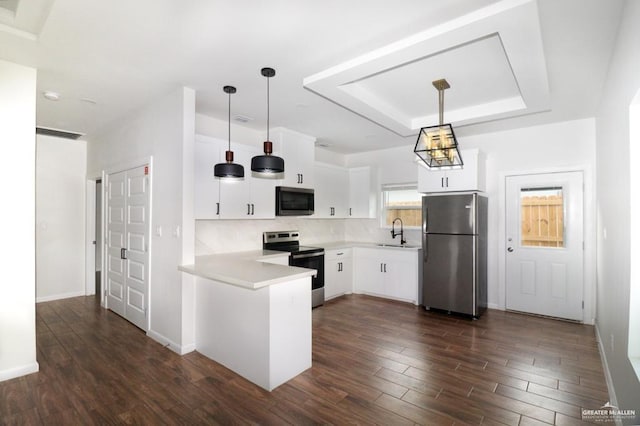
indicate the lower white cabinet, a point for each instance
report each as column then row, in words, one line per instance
column 338, row 272
column 390, row 273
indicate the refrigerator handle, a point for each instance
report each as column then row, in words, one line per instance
column 424, row 216
column 425, row 248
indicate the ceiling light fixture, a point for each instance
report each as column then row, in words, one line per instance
column 267, row 164
column 437, row 146
column 52, row 96
column 229, row 170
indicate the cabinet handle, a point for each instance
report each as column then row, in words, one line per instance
column 217, row 208
column 381, row 267
column 123, row 253
column 447, row 178
column 385, row 267
column 252, row 209
column 248, row 208
column 339, row 266
column 340, row 253
column 441, row 182
column 301, row 178
column 349, row 211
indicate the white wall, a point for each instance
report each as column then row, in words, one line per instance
column 17, row 251
column 613, row 173
column 550, row 147
column 60, row 217
column 164, row 131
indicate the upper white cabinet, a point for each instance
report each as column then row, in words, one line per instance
column 251, row 198
column 298, row 152
column 471, row 177
column 207, row 187
column 331, row 191
column 362, row 193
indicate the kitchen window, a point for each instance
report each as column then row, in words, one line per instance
column 403, row 201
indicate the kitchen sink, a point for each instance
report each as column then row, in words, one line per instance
column 395, row 245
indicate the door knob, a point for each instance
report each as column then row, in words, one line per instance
column 510, row 249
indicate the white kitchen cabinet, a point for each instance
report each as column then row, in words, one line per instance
column 338, row 272
column 331, row 191
column 298, row 152
column 207, row 187
column 471, row 177
column 251, row 198
column 362, row 193
column 389, row 273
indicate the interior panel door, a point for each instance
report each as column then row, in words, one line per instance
column 128, row 230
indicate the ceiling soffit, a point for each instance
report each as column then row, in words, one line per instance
column 493, row 58
column 24, row 18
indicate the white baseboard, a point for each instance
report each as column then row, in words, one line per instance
column 605, row 365
column 23, row 370
column 168, row 343
column 59, row 296
column 495, row 306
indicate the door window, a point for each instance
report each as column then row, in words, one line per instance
column 542, row 217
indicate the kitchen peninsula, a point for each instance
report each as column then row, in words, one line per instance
column 253, row 314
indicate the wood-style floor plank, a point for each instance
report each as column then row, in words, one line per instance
column 374, row 362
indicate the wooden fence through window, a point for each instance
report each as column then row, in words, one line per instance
column 542, row 221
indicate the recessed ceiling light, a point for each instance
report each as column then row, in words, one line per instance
column 242, row 118
column 52, row 96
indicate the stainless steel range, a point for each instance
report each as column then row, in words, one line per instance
column 304, row 257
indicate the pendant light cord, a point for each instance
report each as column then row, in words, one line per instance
column 268, row 108
column 229, row 121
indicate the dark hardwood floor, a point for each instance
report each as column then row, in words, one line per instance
column 374, row 362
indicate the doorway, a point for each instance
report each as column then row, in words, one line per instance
column 545, row 245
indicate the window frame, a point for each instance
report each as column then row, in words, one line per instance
column 384, row 188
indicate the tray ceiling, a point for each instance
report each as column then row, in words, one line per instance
column 496, row 70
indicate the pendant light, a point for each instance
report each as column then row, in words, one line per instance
column 229, row 170
column 267, row 165
column 437, row 146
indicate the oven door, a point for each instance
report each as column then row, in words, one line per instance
column 312, row 261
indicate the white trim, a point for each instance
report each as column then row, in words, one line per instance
column 168, row 343
column 90, row 237
column 13, row 373
column 607, row 373
column 589, row 235
column 495, row 306
column 59, row 296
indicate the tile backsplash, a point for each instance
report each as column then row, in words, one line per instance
column 222, row 236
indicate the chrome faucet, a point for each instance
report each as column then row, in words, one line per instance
column 401, row 233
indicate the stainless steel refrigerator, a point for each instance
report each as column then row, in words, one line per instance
column 454, row 246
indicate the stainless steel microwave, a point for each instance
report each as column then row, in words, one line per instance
column 294, row 201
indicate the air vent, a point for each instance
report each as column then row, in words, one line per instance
column 57, row 133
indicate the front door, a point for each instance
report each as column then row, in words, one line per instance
column 544, row 247
column 128, row 245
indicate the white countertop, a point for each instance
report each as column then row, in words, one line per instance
column 251, row 270
column 248, row 269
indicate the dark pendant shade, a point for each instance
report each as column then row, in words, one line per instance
column 267, row 164
column 229, row 170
